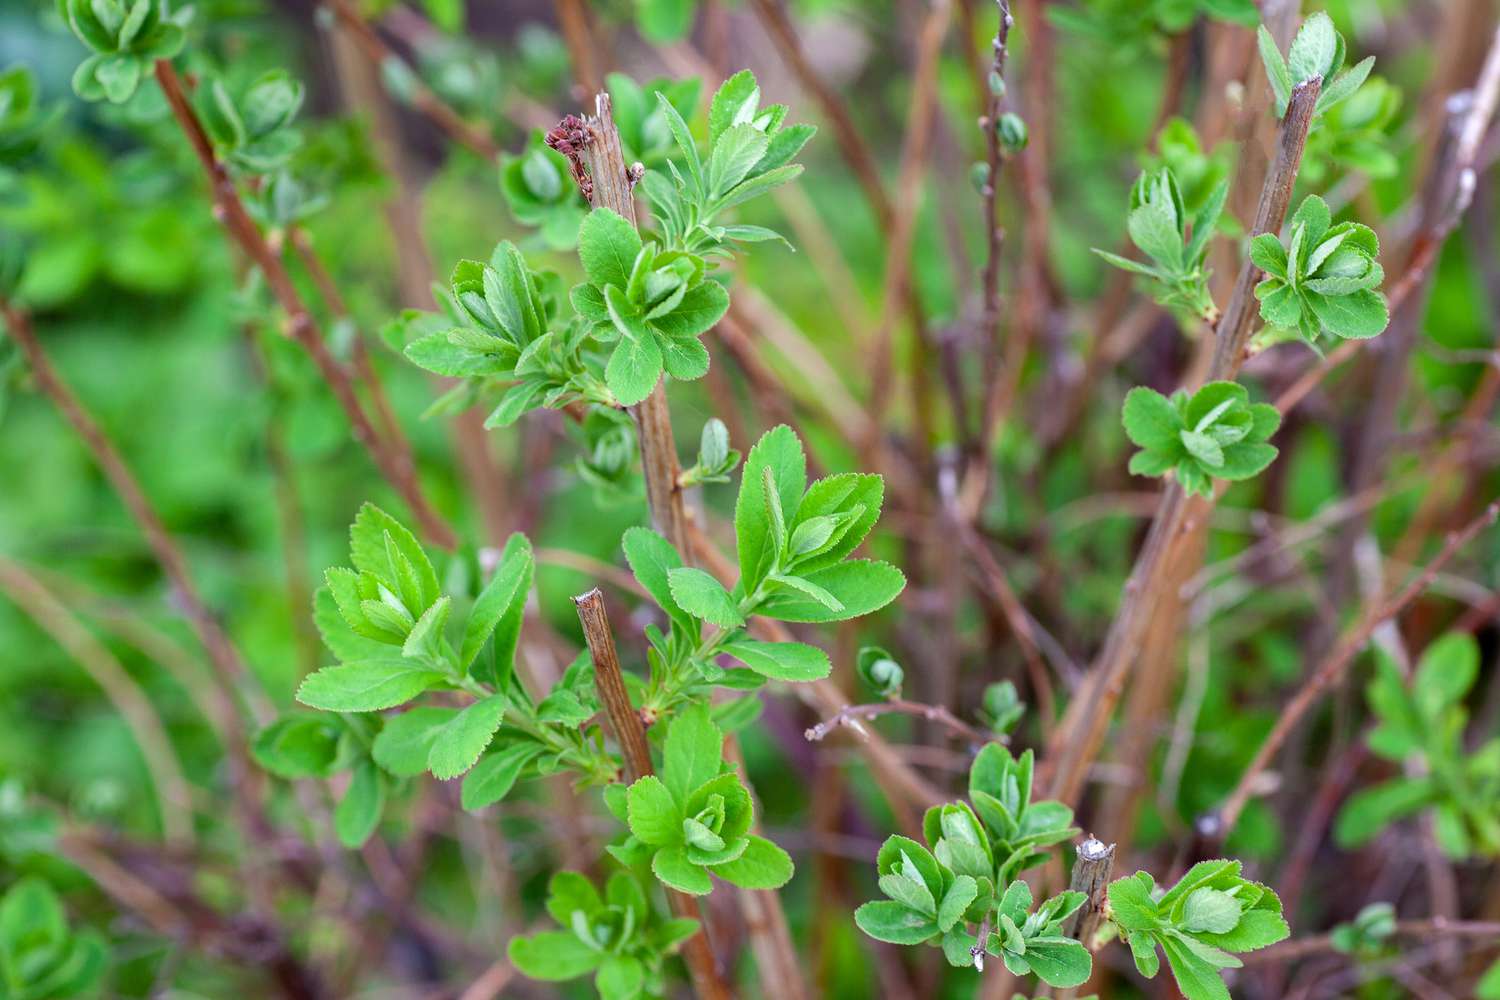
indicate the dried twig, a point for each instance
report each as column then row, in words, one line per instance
column 1091, row 875
column 629, row 731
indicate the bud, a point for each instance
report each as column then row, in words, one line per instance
column 879, row 670
column 1012, row 132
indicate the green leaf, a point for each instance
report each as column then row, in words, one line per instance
column 671, row 865
column 781, row 661
column 366, row 685
column 298, row 746
column 1245, row 460
column 465, row 737
column 763, row 865
column 889, row 921
column 961, row 893
column 736, row 151
column 425, row 641
column 684, row 358
column 495, row 775
column 634, row 369
column 1203, row 448
column 1446, row 672
column 701, row 596
column 1196, row 978
column 1370, row 810
column 404, row 742
column 607, row 246
column 701, row 307
column 358, row 812
column 1312, row 52
column 369, row 552
column 1151, row 421
column 1131, row 904
column 693, row 752
column 734, row 103
column 1356, row 316
column 655, row 817
column 862, row 586
column 505, row 594
column 1256, row 928
column 779, row 451
column 858, row 494
column 1059, row 961
column 652, row 558
column 621, row 977
column 1276, row 69
column 1211, row 910
column 1345, row 84
column 553, row 956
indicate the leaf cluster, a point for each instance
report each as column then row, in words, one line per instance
column 396, row 637
column 652, row 304
column 21, row 117
column 41, row 957
column 749, row 153
column 124, row 37
column 1175, row 242
column 1422, row 724
column 495, row 329
column 618, row 936
column 935, row 893
column 1199, row 923
column 1323, row 278
column 1317, row 51
column 1216, row 433
column 540, row 193
column 253, row 129
column 694, row 820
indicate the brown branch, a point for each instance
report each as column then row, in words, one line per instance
column 173, row 794
column 1076, row 742
column 573, row 18
column 629, row 732
column 230, row 672
column 422, row 96
column 1337, row 662
column 1438, row 927
column 230, row 210
column 849, row 715
column 1091, row 875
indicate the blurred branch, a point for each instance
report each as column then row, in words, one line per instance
column 420, row 95
column 230, row 211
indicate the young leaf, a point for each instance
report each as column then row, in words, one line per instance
column 365, row 685
column 506, row 589
column 781, row 661
column 358, row 812
column 608, row 245
column 693, row 752
column 701, row 596
column 458, row 746
column 495, row 775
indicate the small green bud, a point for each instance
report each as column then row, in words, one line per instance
column 879, row 670
column 1012, row 132
column 979, row 176
column 997, row 84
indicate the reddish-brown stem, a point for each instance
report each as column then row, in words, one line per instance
column 421, row 96
column 230, row 211
column 1075, row 743
column 1333, row 666
column 230, row 672
column 1438, row 927
column 629, row 732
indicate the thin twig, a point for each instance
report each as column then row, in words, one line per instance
column 1295, row 949
column 1333, row 666
column 173, row 794
column 900, row 706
